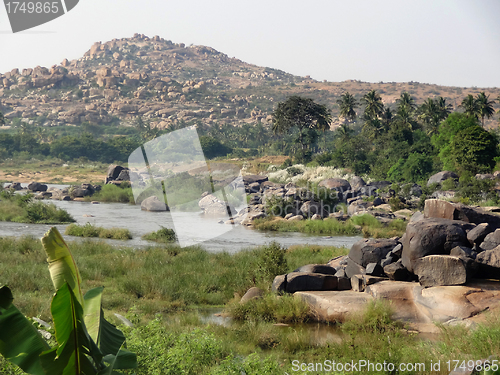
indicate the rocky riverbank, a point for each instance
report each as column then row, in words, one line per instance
column 445, row 268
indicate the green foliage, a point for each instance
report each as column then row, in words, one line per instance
column 472, row 190
column 376, row 318
column 90, row 230
column 449, row 184
column 212, row 148
column 271, row 262
column 473, row 149
column 113, row 193
column 78, row 350
column 279, row 206
column 163, row 235
column 415, row 168
column 23, row 209
column 271, row 308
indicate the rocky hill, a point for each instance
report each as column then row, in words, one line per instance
column 169, row 83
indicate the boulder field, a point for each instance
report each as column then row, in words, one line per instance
column 445, row 268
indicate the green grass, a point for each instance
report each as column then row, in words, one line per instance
column 89, row 230
column 163, row 235
column 112, row 193
column 24, row 209
column 156, row 289
column 370, row 226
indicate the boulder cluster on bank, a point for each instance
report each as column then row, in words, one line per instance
column 445, row 267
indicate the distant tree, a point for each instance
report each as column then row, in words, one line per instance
column 387, row 116
column 444, row 109
column 406, row 100
column 303, row 115
column 344, row 132
column 348, row 105
column 430, row 114
column 474, row 150
column 485, row 106
column 405, row 117
column 373, row 104
column 2, row 119
column 470, row 106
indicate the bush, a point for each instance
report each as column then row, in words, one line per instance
column 163, row 235
column 113, row 193
column 271, row 262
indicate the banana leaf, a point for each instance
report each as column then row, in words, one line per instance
column 108, row 338
column 62, row 265
column 71, row 356
column 20, row 342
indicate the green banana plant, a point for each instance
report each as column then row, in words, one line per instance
column 87, row 344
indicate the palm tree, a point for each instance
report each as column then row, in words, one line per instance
column 405, row 100
column 347, row 104
column 387, row 116
column 431, row 114
column 373, row 127
column 444, row 109
column 470, row 106
column 374, row 105
column 404, row 117
column 485, row 107
column 344, row 132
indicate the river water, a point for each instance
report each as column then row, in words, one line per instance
column 120, row 215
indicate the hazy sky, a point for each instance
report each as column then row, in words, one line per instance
column 448, row 42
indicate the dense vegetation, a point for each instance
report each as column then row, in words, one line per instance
column 24, row 209
column 399, row 142
column 156, row 289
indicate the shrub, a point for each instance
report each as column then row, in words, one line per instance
column 163, row 235
column 271, row 262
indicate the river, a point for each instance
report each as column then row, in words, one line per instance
column 139, row 222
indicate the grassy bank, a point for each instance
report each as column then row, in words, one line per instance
column 365, row 225
column 24, row 209
column 89, row 230
column 156, row 289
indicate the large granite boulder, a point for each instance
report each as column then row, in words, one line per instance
column 441, row 176
column 213, row 206
column 432, row 237
column 37, row 186
column 357, row 183
column 302, row 281
column 251, row 178
column 153, row 204
column 317, row 268
column 489, row 263
column 437, row 270
column 310, row 208
column 455, row 211
column 371, row 250
column 113, row 172
column 336, row 183
column 491, row 240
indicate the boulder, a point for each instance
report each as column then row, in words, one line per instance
column 371, row 250
column 360, row 282
column 336, row 183
column 249, row 179
column 432, row 237
column 296, row 218
column 478, row 234
column 153, row 204
column 439, row 270
column 15, row 186
column 352, row 268
column 310, row 208
column 36, row 186
column 374, row 269
column 397, row 272
column 252, row 293
column 357, row 183
column 80, row 192
column 489, row 263
column 456, row 211
column 279, row 284
column 213, row 206
column 303, row 281
column 441, row 176
column 317, row 268
column 113, row 172
column 124, row 175
column 491, row 240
